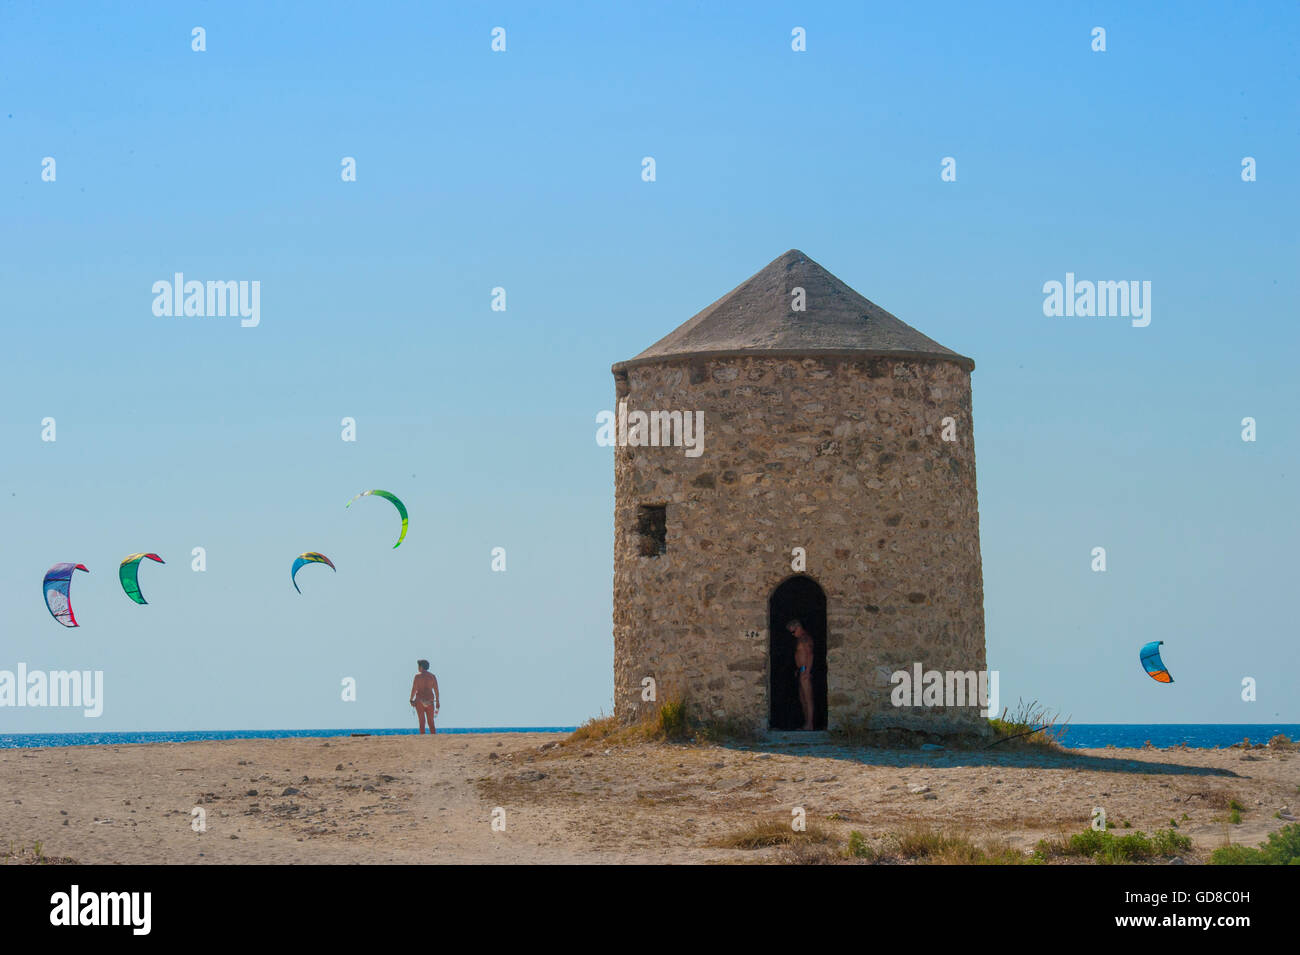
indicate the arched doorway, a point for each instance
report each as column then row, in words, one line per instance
column 798, row 598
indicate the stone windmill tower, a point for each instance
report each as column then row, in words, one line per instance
column 835, row 483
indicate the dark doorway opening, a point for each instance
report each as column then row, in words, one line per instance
column 799, row 598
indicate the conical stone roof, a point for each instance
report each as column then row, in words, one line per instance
column 755, row 319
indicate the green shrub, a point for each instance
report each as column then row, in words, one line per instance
column 1128, row 848
column 1170, row 843
column 1282, row 848
column 1087, row 843
column 1107, row 848
column 1236, row 855
column 671, row 722
column 858, row 846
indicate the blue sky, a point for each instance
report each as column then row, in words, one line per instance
column 522, row 170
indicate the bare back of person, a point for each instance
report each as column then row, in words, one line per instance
column 424, row 688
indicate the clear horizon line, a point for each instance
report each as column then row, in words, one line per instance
column 501, row 727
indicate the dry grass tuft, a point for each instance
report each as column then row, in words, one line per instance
column 33, row 856
column 809, row 853
column 1030, row 726
column 762, row 835
column 596, row 728
column 670, row 722
column 924, row 845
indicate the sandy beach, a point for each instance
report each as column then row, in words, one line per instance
column 412, row 799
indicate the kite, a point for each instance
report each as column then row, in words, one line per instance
column 1152, row 663
column 401, row 509
column 129, row 571
column 58, row 583
column 302, row 560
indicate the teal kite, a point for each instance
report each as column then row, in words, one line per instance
column 1152, row 663
column 401, row 509
column 129, row 572
column 302, row 560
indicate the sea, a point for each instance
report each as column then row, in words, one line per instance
column 1078, row 735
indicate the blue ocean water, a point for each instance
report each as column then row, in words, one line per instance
column 1079, row 735
column 1195, row 735
column 10, row 740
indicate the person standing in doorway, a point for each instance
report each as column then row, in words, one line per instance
column 425, row 696
column 803, row 663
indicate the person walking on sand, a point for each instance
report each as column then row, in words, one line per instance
column 425, row 696
column 803, row 662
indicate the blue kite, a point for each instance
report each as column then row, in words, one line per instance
column 1152, row 663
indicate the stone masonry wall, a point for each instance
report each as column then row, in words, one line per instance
column 842, row 457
